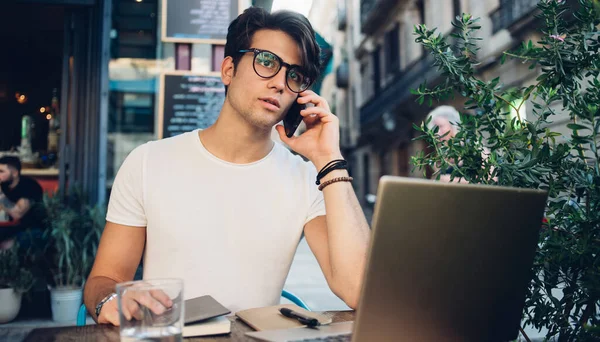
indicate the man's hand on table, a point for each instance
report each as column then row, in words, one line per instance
column 132, row 303
column 109, row 314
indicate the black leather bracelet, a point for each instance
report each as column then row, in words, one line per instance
column 332, row 165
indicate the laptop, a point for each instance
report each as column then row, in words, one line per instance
column 447, row 262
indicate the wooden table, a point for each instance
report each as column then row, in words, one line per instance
column 110, row 333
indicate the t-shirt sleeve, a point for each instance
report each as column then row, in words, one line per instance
column 37, row 192
column 31, row 190
column 317, row 206
column 126, row 204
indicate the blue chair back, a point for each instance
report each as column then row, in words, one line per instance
column 294, row 299
column 82, row 314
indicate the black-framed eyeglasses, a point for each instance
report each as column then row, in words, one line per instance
column 266, row 64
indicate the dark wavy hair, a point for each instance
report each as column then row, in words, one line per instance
column 242, row 29
column 11, row 161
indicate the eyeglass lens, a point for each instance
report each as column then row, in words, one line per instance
column 267, row 64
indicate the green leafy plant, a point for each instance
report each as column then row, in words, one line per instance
column 73, row 235
column 495, row 145
column 12, row 273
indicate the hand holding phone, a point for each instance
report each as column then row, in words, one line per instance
column 320, row 143
column 292, row 119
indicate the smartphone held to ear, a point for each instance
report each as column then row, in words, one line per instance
column 292, row 119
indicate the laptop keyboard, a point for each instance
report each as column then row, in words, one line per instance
column 334, row 338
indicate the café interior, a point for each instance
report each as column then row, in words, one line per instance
column 53, row 91
column 30, row 88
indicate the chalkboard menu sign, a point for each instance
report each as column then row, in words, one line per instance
column 198, row 21
column 188, row 102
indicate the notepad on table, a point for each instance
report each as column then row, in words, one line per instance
column 269, row 318
column 214, row 326
column 205, row 316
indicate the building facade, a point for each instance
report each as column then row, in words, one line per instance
column 385, row 63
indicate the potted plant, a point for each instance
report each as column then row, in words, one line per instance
column 14, row 281
column 73, row 235
column 492, row 148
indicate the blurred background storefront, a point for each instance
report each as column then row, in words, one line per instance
column 83, row 82
column 53, row 90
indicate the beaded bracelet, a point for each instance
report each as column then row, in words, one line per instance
column 333, row 180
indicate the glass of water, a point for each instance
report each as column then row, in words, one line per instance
column 151, row 310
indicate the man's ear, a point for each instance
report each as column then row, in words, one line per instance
column 227, row 70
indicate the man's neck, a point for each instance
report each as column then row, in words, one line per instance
column 233, row 139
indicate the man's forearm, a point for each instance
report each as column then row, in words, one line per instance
column 13, row 210
column 348, row 235
column 96, row 288
column 6, row 203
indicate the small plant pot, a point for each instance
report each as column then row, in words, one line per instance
column 10, row 304
column 65, row 302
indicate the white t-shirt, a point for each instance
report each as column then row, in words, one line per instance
column 228, row 230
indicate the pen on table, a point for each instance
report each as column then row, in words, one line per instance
column 306, row 320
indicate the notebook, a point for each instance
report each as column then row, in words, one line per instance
column 269, row 318
column 205, row 316
column 203, row 308
column 214, row 326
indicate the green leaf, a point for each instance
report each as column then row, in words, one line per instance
column 574, row 126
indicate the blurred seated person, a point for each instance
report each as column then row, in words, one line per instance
column 447, row 119
column 18, row 197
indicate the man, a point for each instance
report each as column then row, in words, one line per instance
column 225, row 208
column 18, row 195
column 447, row 119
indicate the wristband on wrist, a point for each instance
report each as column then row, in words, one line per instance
column 334, row 180
column 104, row 301
column 336, row 164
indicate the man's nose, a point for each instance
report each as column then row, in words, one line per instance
column 278, row 81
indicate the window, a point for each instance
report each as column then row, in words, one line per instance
column 385, row 162
column 366, row 174
column 392, row 49
column 376, row 70
column 365, row 84
column 131, row 112
column 403, row 161
column 134, row 29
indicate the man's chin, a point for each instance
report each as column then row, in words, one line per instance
column 271, row 119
